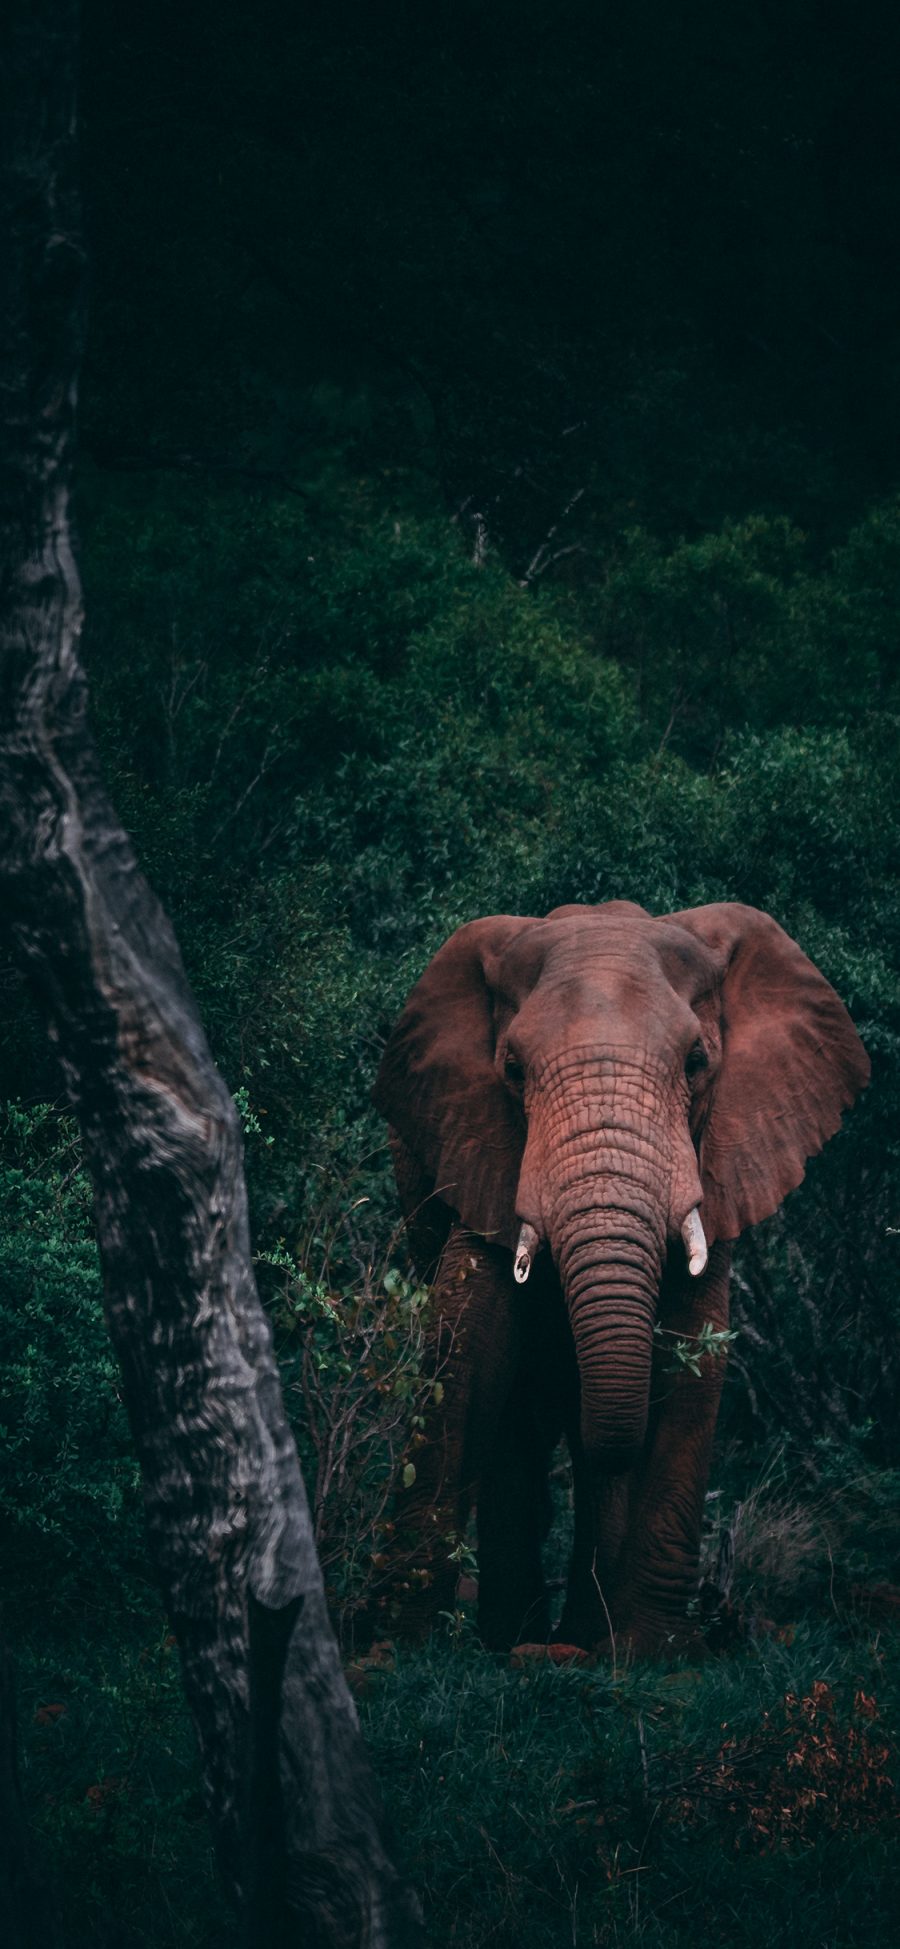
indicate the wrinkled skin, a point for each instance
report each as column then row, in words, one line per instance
column 596, row 1075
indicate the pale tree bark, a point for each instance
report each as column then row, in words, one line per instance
column 299, row 1832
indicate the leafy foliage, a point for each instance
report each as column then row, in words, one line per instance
column 360, row 1379
column 69, row 1478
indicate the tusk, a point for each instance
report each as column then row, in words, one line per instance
column 694, row 1243
column 529, row 1240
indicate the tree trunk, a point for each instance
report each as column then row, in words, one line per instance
column 299, row 1833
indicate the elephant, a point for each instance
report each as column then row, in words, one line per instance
column 585, row 1111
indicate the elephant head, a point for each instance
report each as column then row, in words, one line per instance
column 618, row 1087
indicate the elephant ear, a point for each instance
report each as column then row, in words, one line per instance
column 792, row 1062
column 438, row 1087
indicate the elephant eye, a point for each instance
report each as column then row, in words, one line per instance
column 696, row 1060
column 514, row 1071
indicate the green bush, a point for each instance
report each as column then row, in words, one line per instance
column 359, row 1381
column 361, row 737
column 69, row 1494
column 744, row 626
column 350, row 1337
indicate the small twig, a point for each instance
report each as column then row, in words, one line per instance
column 831, row 1579
column 267, row 761
column 572, row 548
column 234, row 714
column 542, row 557
column 645, row 1768
column 674, row 715
column 612, row 1635
column 178, row 696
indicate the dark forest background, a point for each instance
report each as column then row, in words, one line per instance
column 489, row 498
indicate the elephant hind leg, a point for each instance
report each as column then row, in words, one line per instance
column 512, row 1505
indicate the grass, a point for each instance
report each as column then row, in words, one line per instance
column 111, row 1783
column 751, row 1797
column 552, row 1806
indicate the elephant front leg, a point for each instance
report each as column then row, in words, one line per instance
column 473, row 1346
column 601, row 1527
column 661, row 1557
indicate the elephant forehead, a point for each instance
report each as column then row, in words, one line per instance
column 610, row 960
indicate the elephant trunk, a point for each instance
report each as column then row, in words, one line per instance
column 612, row 1314
column 608, row 1235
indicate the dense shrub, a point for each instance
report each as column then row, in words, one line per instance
column 336, row 736
column 745, row 626
column 351, row 1341
column 359, row 1381
column 69, row 1505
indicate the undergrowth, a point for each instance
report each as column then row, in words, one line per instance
column 533, row 1804
column 752, row 1796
